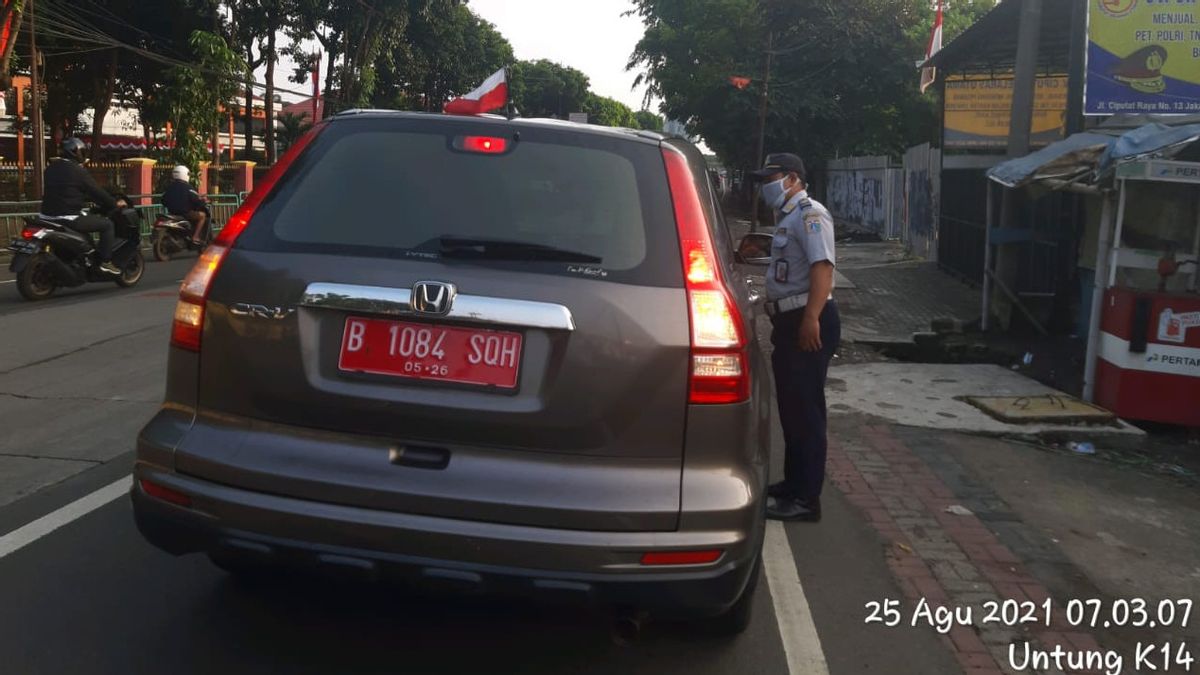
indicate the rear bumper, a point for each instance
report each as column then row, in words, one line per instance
column 564, row 566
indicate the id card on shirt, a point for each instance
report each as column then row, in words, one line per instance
column 781, row 271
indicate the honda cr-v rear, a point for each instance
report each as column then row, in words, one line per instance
column 509, row 356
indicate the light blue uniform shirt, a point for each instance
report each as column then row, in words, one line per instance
column 804, row 236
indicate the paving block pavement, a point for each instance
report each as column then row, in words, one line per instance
column 944, row 557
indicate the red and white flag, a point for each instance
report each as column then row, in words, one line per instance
column 490, row 95
column 929, row 75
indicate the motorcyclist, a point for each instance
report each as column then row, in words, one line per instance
column 68, row 186
column 181, row 200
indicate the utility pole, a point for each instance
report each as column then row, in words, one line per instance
column 1025, row 77
column 1075, row 66
column 35, row 91
column 1007, row 264
column 762, row 126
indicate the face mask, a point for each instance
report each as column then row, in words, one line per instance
column 774, row 194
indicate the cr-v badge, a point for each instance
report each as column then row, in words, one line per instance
column 261, row 311
column 432, row 297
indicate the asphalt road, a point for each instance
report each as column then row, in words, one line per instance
column 80, row 373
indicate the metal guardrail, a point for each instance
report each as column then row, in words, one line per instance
column 221, row 205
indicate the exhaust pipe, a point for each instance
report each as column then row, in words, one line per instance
column 627, row 627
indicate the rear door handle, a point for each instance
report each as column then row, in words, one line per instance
column 419, row 456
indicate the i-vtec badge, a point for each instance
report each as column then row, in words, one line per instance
column 432, row 297
column 261, row 311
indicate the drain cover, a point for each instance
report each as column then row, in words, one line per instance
column 1046, row 408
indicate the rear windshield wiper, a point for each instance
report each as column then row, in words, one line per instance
column 503, row 249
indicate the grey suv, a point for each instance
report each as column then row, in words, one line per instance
column 472, row 353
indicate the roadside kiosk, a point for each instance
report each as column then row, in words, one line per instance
column 1147, row 352
column 1143, row 334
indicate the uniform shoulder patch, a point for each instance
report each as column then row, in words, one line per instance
column 812, row 222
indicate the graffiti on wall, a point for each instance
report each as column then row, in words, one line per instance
column 922, row 169
column 856, row 197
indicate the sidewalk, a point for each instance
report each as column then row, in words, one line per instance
column 967, row 510
column 1036, row 525
column 892, row 297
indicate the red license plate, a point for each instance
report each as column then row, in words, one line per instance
column 425, row 351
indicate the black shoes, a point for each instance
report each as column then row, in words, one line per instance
column 789, row 509
column 778, row 490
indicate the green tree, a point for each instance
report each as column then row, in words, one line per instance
column 649, row 121
column 547, row 89
column 192, row 96
column 441, row 55
column 609, row 112
column 842, row 79
column 354, row 35
column 291, row 128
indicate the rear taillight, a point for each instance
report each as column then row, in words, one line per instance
column 719, row 372
column 189, row 311
column 188, row 325
column 30, row 232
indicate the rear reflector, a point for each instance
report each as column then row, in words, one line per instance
column 30, row 232
column 680, row 557
column 718, row 373
column 164, row 493
column 488, row 145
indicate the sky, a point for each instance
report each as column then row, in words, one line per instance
column 589, row 35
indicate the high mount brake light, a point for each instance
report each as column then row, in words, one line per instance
column 719, row 368
column 484, row 145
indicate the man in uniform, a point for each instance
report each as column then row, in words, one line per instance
column 806, row 332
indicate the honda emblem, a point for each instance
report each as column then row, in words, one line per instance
column 432, row 297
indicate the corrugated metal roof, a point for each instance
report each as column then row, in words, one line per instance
column 990, row 44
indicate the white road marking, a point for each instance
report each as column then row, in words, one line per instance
column 801, row 644
column 31, row 532
column 10, row 281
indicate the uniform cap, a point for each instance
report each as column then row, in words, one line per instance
column 780, row 162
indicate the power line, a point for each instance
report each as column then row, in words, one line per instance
column 65, row 27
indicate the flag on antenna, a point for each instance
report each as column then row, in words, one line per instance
column 490, row 95
column 929, row 75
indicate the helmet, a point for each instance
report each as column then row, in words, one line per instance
column 180, row 173
column 72, row 148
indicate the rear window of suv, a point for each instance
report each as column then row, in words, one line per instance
column 392, row 186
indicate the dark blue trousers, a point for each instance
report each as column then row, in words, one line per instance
column 800, row 394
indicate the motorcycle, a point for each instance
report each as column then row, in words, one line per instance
column 172, row 234
column 50, row 255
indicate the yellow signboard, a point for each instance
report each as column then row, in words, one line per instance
column 1143, row 57
column 979, row 109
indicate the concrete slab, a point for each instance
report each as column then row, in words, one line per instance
column 20, row 476
column 932, row 396
column 1048, row 408
column 841, row 281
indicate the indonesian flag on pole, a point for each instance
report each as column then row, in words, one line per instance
column 929, row 75
column 490, row 95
